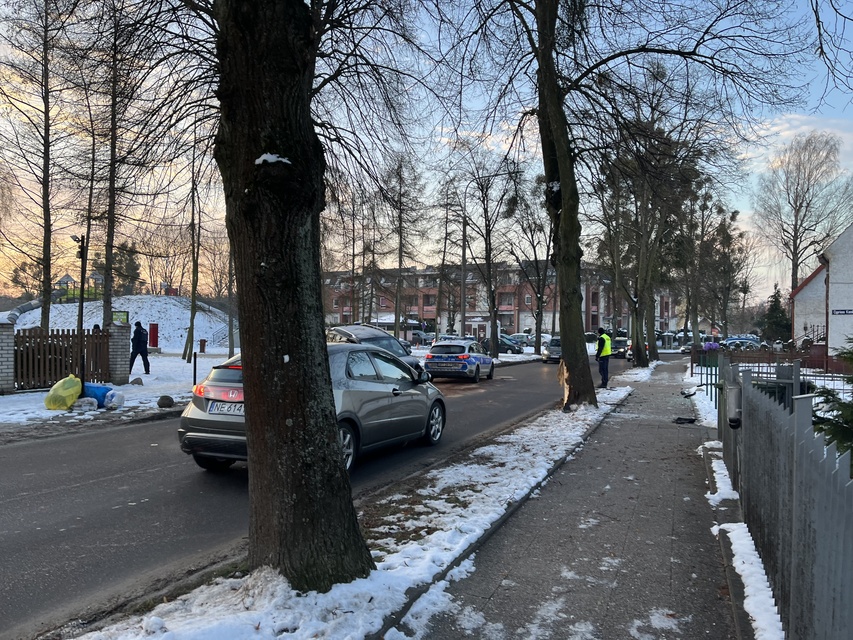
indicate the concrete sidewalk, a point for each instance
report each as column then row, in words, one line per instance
column 618, row 544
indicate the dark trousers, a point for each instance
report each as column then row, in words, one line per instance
column 144, row 354
column 603, row 369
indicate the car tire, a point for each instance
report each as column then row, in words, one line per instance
column 216, row 465
column 434, row 425
column 476, row 377
column 348, row 442
column 491, row 373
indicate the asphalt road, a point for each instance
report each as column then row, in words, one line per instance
column 89, row 519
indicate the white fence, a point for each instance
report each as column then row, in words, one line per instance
column 797, row 499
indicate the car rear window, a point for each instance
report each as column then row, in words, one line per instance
column 230, row 371
column 389, row 344
column 447, row 349
column 555, row 342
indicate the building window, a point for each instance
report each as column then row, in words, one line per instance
column 528, row 299
column 335, row 303
column 429, row 300
column 383, row 302
column 505, row 299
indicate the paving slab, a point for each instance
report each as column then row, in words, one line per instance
column 618, row 544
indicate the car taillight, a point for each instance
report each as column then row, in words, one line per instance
column 464, row 356
column 428, row 356
column 228, row 394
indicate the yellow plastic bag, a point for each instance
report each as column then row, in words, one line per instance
column 64, row 393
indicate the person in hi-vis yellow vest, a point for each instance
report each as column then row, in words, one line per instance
column 602, row 356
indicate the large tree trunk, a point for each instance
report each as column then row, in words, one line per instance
column 302, row 521
column 559, row 165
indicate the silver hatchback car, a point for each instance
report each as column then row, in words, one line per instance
column 551, row 350
column 379, row 400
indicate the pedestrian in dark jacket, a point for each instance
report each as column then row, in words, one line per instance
column 139, row 347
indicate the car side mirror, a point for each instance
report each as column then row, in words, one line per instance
column 424, row 376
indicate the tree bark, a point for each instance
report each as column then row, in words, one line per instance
column 559, row 164
column 302, row 521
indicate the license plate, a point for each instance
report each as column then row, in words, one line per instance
column 443, row 365
column 226, row 408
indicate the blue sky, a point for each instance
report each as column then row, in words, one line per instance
column 833, row 114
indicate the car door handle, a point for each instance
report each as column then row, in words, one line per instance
column 396, row 391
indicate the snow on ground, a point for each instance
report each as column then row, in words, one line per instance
column 416, row 550
column 170, row 313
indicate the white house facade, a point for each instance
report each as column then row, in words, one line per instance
column 824, row 300
column 838, row 260
column 808, row 305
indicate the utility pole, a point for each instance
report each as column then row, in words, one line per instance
column 81, row 253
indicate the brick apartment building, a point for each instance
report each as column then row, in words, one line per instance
column 370, row 298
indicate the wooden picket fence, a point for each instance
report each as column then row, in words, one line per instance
column 43, row 358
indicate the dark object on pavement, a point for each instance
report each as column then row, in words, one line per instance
column 165, row 402
column 684, row 420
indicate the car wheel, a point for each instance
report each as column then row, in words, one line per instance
column 476, row 377
column 491, row 373
column 213, row 464
column 434, row 425
column 347, row 440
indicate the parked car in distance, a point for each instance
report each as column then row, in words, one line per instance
column 368, row 334
column 459, row 359
column 379, row 401
column 451, row 336
column 687, row 347
column 619, row 347
column 419, row 337
column 524, row 339
column 551, row 350
column 505, row 345
column 629, row 354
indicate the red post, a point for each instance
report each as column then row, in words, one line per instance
column 153, row 335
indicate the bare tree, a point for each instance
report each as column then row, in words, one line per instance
column 447, row 295
column 804, row 200
column 833, row 19
column 494, row 188
column 569, row 60
column 693, row 242
column 31, row 33
column 726, row 267
column 215, row 262
column 401, row 191
column 122, row 50
column 532, row 251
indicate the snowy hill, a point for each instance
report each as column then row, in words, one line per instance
column 170, row 313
